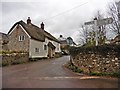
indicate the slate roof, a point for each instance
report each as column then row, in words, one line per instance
column 3, row 38
column 63, row 41
column 35, row 32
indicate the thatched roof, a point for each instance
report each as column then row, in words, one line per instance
column 35, row 32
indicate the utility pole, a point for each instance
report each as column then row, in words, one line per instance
column 96, row 31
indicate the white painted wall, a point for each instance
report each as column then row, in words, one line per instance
column 56, row 44
column 37, row 44
column 43, row 53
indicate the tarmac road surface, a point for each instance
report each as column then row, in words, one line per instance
column 51, row 74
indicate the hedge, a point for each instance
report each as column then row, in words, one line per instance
column 102, row 49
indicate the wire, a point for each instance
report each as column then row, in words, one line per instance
column 65, row 11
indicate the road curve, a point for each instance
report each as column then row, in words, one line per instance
column 50, row 74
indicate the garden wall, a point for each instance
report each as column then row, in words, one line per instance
column 14, row 58
column 100, row 59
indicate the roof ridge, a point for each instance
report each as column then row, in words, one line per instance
column 34, row 31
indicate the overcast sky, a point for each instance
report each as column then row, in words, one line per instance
column 59, row 16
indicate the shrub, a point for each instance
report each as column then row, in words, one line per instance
column 116, row 74
column 96, row 74
column 5, row 63
column 74, row 68
column 33, row 59
column 58, row 54
column 102, row 49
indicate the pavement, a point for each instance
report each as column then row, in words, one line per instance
column 50, row 73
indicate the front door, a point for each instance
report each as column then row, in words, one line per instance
column 51, row 50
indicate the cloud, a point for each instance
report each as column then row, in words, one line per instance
column 59, row 16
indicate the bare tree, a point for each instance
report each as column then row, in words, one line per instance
column 87, row 35
column 115, row 14
column 88, row 32
column 83, row 34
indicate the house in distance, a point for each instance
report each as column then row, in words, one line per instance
column 33, row 39
column 66, row 43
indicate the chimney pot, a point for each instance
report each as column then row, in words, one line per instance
column 42, row 25
column 61, row 36
column 28, row 20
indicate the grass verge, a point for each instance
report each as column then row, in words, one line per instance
column 77, row 70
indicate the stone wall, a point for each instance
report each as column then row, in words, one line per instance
column 104, row 59
column 14, row 43
column 97, row 63
column 14, row 58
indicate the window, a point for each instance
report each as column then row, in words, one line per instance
column 21, row 38
column 37, row 50
column 45, row 47
column 58, row 47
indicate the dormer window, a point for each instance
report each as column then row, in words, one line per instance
column 21, row 38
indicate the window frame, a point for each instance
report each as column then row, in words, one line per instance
column 37, row 50
column 21, row 38
column 45, row 47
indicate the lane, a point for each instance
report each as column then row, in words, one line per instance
column 52, row 67
column 50, row 74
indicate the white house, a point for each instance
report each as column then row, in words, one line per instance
column 32, row 39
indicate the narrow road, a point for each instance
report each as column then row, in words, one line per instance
column 50, row 74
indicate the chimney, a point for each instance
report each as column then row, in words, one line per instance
column 29, row 21
column 61, row 36
column 42, row 25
